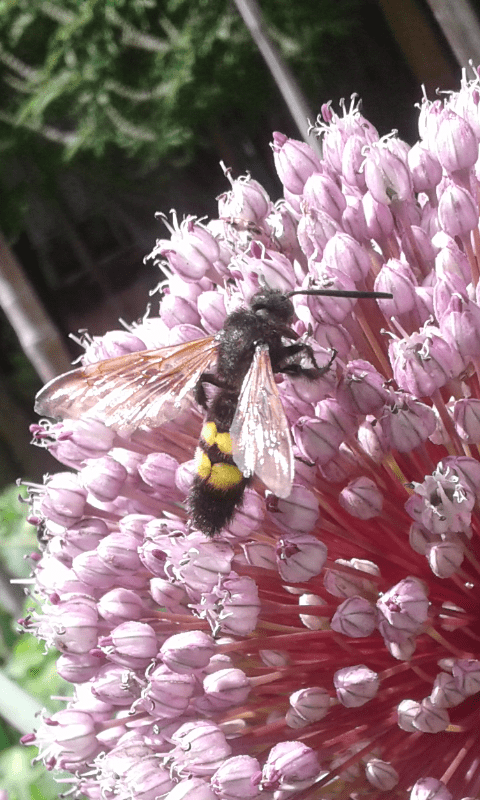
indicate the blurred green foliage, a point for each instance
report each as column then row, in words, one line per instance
column 150, row 77
column 24, row 661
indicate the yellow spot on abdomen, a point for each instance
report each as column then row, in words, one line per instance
column 224, row 442
column 224, row 476
column 202, row 463
column 209, row 433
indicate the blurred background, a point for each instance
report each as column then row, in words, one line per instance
column 111, row 110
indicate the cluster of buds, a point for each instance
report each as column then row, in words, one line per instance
column 234, row 667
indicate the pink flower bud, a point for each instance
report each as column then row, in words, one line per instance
column 146, row 779
column 407, row 422
column 103, row 477
column 132, row 643
column 352, row 162
column 345, row 584
column 407, row 712
column 311, row 704
column 355, row 686
column 168, row 693
column 226, row 688
column 457, row 211
column 170, row 595
column 233, row 606
column 74, row 625
column 200, row 747
column 211, row 307
column 354, row 220
column 430, row 789
column 74, row 739
column 378, row 218
column 64, row 499
column 466, row 673
column 362, row 388
column 294, row 161
column 333, row 337
column 120, row 605
column 423, row 361
column 298, row 512
column 466, row 416
column 460, row 325
column 191, row 252
column 290, row 764
column 424, row 167
column 247, row 200
column 237, row 778
column 396, row 277
column 386, row 176
column 456, row 143
column 445, row 286
column 373, row 438
column 446, row 692
column 321, row 193
column 355, row 618
column 451, row 260
column 78, row 667
column 430, row 718
column 345, row 254
column 445, row 558
column 187, row 651
column 405, row 606
column 465, row 468
column 361, row 498
column 119, row 552
column 318, row 440
column 300, row 557
column 381, row 774
column 315, row 229
column 192, row 789
column 159, row 471
column 177, row 310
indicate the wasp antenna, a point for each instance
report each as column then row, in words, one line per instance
column 342, row 293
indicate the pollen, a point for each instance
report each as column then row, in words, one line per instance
column 224, row 476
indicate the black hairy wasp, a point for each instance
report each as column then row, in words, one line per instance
column 245, row 431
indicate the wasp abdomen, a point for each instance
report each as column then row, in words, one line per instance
column 219, row 485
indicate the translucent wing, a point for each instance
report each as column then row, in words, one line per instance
column 143, row 389
column 260, row 431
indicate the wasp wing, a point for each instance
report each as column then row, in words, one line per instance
column 261, row 441
column 142, row 389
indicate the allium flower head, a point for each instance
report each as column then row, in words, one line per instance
column 325, row 644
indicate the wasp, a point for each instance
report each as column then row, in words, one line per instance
column 245, row 430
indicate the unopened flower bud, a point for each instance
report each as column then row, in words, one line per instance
column 425, row 168
column 355, row 686
column 431, row 718
column 456, row 143
column 311, row 704
column 381, row 774
column 236, row 779
column 457, row 212
column 294, row 161
column 355, row 617
column 361, row 498
column 187, row 651
column 430, row 789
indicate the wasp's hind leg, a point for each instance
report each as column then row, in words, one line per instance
column 200, row 394
column 290, row 363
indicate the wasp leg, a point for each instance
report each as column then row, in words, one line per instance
column 199, row 392
column 290, row 365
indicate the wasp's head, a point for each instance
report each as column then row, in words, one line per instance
column 273, row 303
